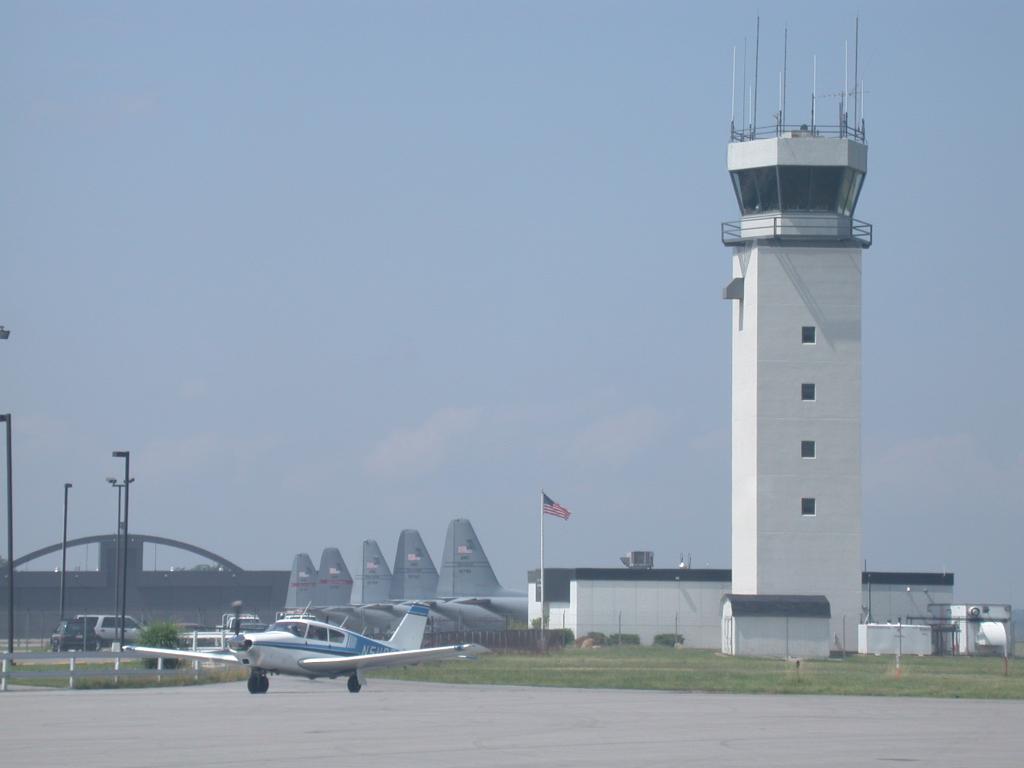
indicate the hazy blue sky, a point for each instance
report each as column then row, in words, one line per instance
column 330, row 270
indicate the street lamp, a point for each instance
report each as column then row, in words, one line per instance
column 117, row 539
column 64, row 550
column 6, row 418
column 124, row 559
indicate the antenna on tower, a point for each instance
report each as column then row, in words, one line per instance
column 785, row 56
column 732, row 113
column 846, row 78
column 757, row 51
column 744, row 96
column 856, row 77
column 814, row 86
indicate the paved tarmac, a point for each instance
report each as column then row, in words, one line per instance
column 394, row 723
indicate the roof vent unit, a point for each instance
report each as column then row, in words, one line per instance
column 638, row 559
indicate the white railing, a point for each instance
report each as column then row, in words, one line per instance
column 75, row 666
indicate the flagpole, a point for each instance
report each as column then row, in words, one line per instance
column 543, row 594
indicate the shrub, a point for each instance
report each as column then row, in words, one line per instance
column 537, row 623
column 160, row 634
column 624, row 639
column 568, row 636
column 668, row 639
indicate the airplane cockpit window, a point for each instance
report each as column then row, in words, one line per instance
column 316, row 633
column 335, row 636
column 294, row 627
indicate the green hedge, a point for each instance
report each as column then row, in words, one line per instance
column 160, row 634
column 623, row 639
column 668, row 639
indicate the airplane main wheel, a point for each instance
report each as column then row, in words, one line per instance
column 258, row 683
column 354, row 685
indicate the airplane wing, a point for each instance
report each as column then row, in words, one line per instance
column 325, row 665
column 225, row 657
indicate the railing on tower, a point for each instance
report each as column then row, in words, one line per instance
column 783, row 227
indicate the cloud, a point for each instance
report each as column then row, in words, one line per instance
column 615, row 440
column 423, row 449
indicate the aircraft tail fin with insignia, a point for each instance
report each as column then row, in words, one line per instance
column 465, row 569
column 334, row 585
column 415, row 576
column 376, row 578
column 302, row 583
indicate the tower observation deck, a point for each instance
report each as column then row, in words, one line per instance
column 796, row 365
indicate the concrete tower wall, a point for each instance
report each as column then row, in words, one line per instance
column 776, row 548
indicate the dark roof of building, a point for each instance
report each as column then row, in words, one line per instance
column 800, row 606
column 635, row 574
column 907, row 577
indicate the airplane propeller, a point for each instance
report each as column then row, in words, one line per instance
column 236, row 623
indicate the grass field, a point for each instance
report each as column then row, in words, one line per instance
column 699, row 670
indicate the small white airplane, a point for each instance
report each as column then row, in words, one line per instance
column 304, row 647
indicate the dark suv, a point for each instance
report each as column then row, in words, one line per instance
column 74, row 635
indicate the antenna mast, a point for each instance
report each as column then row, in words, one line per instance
column 785, row 56
column 856, row 77
column 757, row 50
column 744, row 96
column 732, row 114
column 814, row 86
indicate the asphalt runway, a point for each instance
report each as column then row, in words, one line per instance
column 400, row 723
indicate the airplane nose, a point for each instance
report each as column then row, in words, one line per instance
column 239, row 643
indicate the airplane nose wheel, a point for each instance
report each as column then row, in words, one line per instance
column 353, row 684
column 258, row 683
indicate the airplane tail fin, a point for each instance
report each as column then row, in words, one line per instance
column 465, row 569
column 415, row 576
column 376, row 581
column 335, row 582
column 409, row 635
column 302, row 583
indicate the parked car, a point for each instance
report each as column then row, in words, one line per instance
column 107, row 628
column 74, row 635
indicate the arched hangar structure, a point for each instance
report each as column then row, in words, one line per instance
column 198, row 596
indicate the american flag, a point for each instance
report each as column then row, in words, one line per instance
column 412, row 557
column 464, row 549
column 333, row 571
column 552, row 507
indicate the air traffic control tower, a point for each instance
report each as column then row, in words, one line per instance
column 796, row 365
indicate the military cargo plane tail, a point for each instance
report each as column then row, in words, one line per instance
column 334, row 585
column 415, row 576
column 465, row 569
column 302, row 583
column 376, row 578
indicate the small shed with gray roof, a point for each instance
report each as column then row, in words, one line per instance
column 785, row 626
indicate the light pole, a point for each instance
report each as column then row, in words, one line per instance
column 124, row 555
column 6, row 418
column 117, row 539
column 64, row 551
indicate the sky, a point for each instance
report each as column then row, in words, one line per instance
column 332, row 270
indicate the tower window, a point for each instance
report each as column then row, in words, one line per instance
column 809, row 334
column 807, row 507
column 807, row 392
column 807, row 449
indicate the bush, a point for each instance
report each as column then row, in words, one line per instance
column 160, row 634
column 623, row 639
column 537, row 623
column 668, row 639
column 568, row 636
